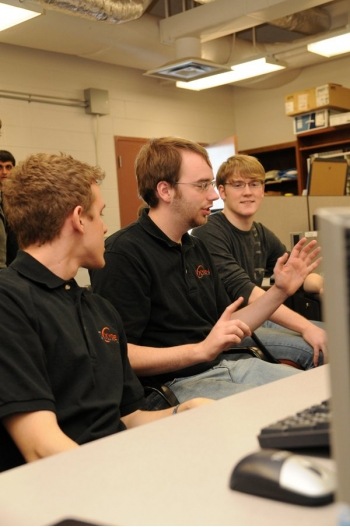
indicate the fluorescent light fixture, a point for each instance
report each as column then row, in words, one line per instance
column 335, row 45
column 240, row 72
column 256, row 67
column 11, row 16
column 209, row 82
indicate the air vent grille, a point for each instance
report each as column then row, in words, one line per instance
column 187, row 70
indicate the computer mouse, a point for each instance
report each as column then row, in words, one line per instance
column 284, row 476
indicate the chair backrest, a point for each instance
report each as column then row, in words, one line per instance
column 263, row 353
column 159, row 397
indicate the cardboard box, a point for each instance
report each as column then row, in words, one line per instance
column 328, row 177
column 325, row 96
column 312, row 121
column 339, row 118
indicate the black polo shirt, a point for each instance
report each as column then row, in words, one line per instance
column 62, row 349
column 167, row 293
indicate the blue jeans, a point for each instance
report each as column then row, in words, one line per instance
column 237, row 373
column 284, row 343
column 229, row 377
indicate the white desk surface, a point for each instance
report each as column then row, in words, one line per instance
column 172, row 472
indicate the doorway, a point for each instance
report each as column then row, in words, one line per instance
column 126, row 150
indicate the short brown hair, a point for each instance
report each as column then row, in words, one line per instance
column 42, row 191
column 242, row 166
column 160, row 160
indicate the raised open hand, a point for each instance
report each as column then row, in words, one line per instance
column 290, row 272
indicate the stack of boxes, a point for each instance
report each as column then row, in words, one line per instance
column 319, row 107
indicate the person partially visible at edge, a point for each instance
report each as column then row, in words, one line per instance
column 243, row 250
column 65, row 374
column 180, row 323
column 8, row 242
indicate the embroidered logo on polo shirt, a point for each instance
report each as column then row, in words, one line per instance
column 107, row 335
column 201, row 272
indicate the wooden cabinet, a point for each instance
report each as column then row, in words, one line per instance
column 277, row 157
column 295, row 155
column 323, row 140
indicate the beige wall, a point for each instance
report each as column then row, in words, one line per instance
column 139, row 107
column 260, row 118
column 285, row 215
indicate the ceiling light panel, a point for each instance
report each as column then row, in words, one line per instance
column 333, row 45
column 242, row 71
column 256, row 67
column 11, row 16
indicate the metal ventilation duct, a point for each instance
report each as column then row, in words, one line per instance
column 308, row 22
column 116, row 11
column 290, row 28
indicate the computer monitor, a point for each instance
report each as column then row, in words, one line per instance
column 334, row 232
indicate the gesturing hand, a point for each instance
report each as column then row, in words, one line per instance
column 290, row 272
column 226, row 333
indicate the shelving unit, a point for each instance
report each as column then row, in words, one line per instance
column 277, row 157
column 295, row 154
column 318, row 141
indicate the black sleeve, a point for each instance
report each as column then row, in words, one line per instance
column 235, row 279
column 121, row 281
column 133, row 392
column 274, row 248
column 24, row 383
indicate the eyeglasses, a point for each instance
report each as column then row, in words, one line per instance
column 240, row 185
column 203, row 186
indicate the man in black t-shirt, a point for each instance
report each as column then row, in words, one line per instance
column 65, row 374
column 177, row 316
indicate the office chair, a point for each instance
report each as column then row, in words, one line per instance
column 159, row 397
column 263, row 353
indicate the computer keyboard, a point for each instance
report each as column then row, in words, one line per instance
column 309, row 428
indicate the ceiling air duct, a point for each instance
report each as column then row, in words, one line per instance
column 308, row 22
column 290, row 28
column 116, row 11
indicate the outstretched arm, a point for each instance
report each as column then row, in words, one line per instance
column 227, row 332
column 314, row 335
column 290, row 274
column 233, row 325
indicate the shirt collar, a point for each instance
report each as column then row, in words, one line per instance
column 151, row 228
column 32, row 269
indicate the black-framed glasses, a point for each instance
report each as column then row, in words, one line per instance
column 203, row 186
column 240, row 184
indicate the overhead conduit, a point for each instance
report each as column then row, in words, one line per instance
column 116, row 11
